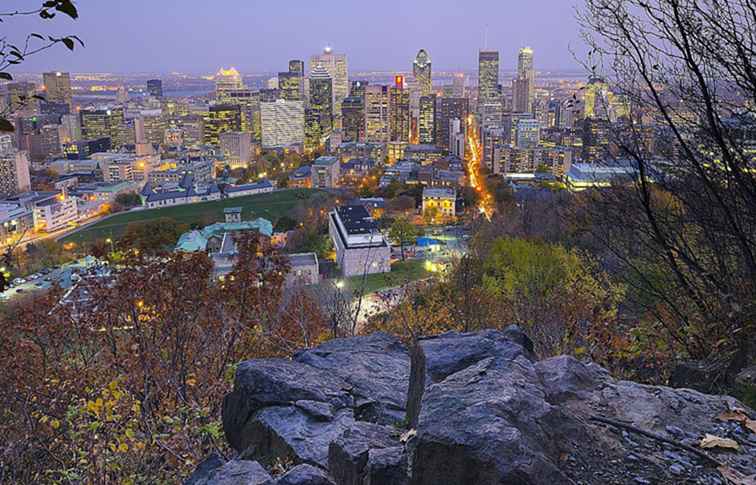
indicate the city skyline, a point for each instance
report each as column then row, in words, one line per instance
column 246, row 35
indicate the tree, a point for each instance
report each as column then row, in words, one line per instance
column 685, row 232
column 118, row 380
column 403, row 232
column 153, row 236
column 13, row 55
column 128, row 199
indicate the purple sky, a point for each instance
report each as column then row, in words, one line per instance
column 261, row 35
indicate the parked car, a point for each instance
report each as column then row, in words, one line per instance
column 18, row 281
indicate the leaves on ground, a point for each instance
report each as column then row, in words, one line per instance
column 740, row 416
column 712, row 441
column 735, row 477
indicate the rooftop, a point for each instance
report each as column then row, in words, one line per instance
column 439, row 193
column 356, row 219
column 303, row 259
column 325, row 161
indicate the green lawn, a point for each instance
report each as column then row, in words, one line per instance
column 402, row 272
column 270, row 206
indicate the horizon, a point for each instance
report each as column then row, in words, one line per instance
column 121, row 39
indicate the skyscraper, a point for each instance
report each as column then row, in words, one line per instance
column 353, row 119
column 523, row 87
column 219, row 119
column 291, row 83
column 282, row 123
column 14, row 168
column 446, row 110
column 336, row 66
column 227, row 80
column 488, row 77
column 376, row 113
column 58, row 87
column 155, row 88
column 103, row 123
column 489, row 96
column 20, row 98
column 321, row 99
column 426, row 119
column 399, row 111
column 421, row 68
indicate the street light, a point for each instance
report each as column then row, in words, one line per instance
column 340, row 284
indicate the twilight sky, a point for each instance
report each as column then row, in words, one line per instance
column 261, row 35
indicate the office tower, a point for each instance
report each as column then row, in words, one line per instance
column 353, row 119
column 283, row 123
column 227, row 80
column 20, row 98
column 426, row 120
column 219, row 119
column 595, row 137
column 336, row 66
column 14, row 169
column 155, row 88
column 70, row 128
column 291, row 83
column 268, row 95
column 249, row 104
column 103, row 123
column 488, row 77
column 376, row 113
column 458, row 85
column 446, row 110
column 527, row 133
column 58, row 88
column 554, row 118
column 457, row 137
column 399, row 111
column 421, row 68
column 321, row 100
column 597, row 99
column 44, row 143
column 236, row 147
column 523, row 86
column 489, row 96
column 358, row 88
column 192, row 129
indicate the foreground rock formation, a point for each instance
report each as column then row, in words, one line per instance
column 491, row 414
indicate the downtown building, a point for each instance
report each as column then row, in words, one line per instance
column 421, row 69
column 336, row 66
column 220, row 118
column 399, row 111
column 489, row 94
column 58, row 88
column 353, row 119
column 523, row 86
column 319, row 115
column 360, row 247
column 376, row 114
column 283, row 123
column 448, row 109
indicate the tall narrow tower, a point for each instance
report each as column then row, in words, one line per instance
column 421, row 68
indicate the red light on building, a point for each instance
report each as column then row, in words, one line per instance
column 399, row 81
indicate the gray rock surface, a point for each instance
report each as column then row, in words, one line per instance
column 491, row 414
column 240, row 472
column 304, row 475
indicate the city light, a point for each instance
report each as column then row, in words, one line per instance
column 474, row 161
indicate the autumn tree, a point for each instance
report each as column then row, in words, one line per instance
column 685, row 231
column 403, row 232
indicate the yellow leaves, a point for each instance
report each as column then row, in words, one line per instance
column 712, row 441
column 191, row 382
column 95, row 407
column 130, row 433
column 123, row 448
column 55, row 424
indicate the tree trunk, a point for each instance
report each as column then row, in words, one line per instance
column 416, row 384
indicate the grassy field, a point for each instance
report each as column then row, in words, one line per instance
column 402, row 272
column 270, row 206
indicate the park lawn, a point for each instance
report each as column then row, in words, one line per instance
column 270, row 206
column 402, row 272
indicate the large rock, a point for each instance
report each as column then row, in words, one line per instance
column 240, row 472
column 491, row 414
column 348, row 455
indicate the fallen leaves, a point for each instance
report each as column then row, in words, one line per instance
column 712, row 441
column 740, row 416
column 735, row 477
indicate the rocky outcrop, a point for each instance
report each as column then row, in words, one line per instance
column 491, row 413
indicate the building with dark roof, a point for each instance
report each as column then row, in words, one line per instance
column 360, row 246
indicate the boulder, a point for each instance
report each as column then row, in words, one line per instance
column 304, row 475
column 240, row 472
column 205, row 470
column 348, row 455
column 490, row 413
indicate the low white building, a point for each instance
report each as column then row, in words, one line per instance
column 360, row 246
column 55, row 212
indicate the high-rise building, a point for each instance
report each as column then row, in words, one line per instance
column 321, row 100
column 155, row 88
column 527, row 133
column 446, row 110
column 58, row 87
column 283, row 123
column 457, row 137
column 353, row 119
column 103, row 123
column 523, row 86
column 249, row 104
column 227, row 80
column 399, row 111
column 489, row 94
column 236, row 147
column 427, row 119
column 336, row 66
column 20, row 98
column 219, row 119
column 488, row 77
column 14, row 168
column 358, row 88
column 595, row 137
column 291, row 83
column 376, row 114
column 421, row 68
